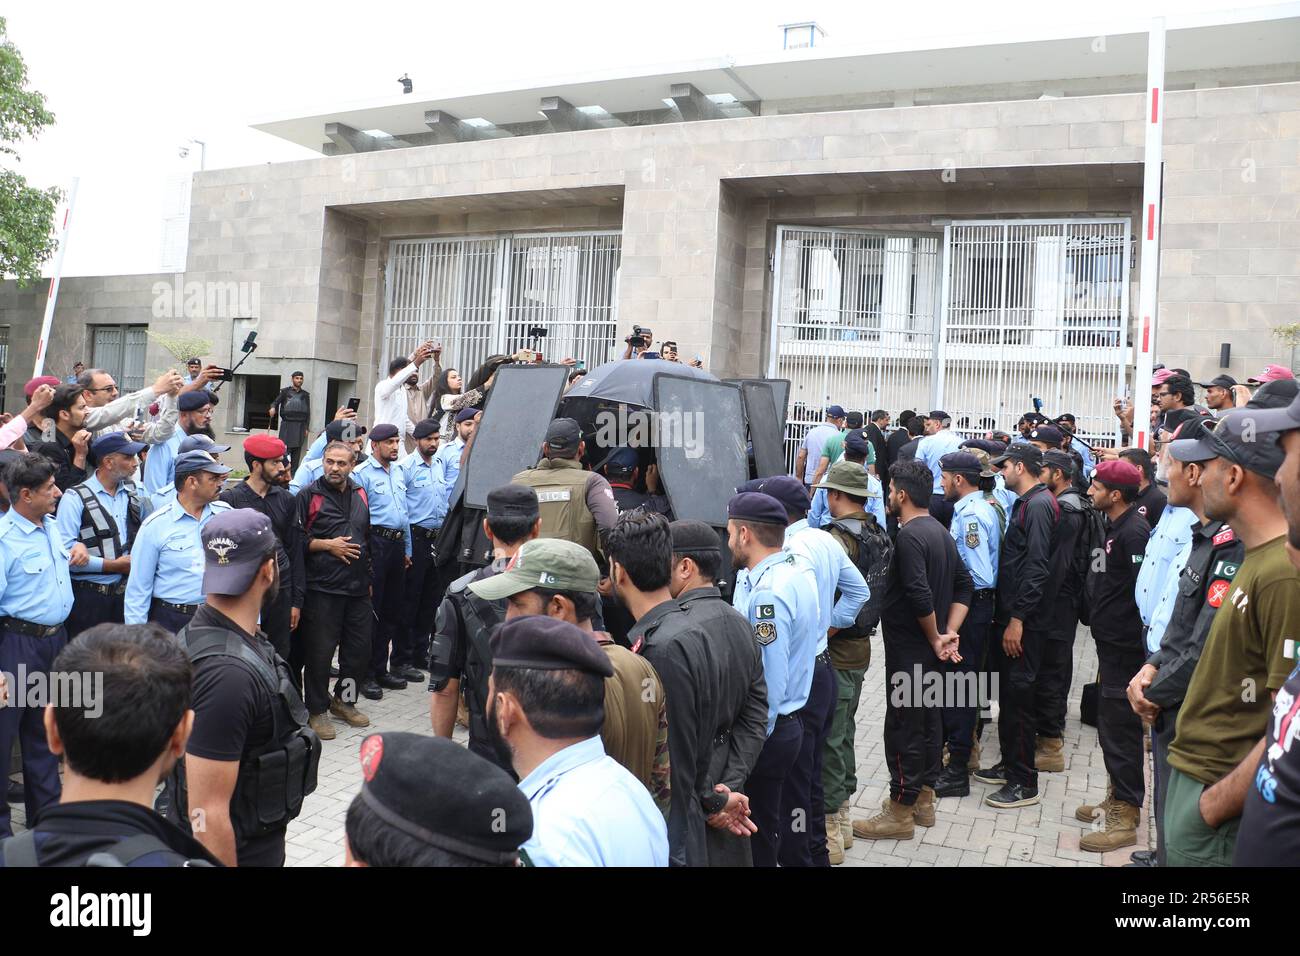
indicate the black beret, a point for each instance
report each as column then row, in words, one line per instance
column 383, row 432
column 754, row 484
column 512, row 501
column 344, row 429
column 548, row 643
column 856, row 441
column 788, row 490
column 466, row 415
column 985, row 444
column 193, row 401
column 425, row 428
column 438, row 793
column 757, row 507
column 693, row 536
column 960, row 462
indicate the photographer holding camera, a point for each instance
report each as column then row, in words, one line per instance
column 638, row 342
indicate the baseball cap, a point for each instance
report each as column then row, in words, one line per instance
column 1271, row 373
column 939, row 415
column 206, row 445
column 1160, row 376
column 547, row 643
column 835, row 411
column 562, row 436
column 235, row 545
column 115, row 443
column 1278, row 393
column 622, row 461
column 1022, row 452
column 1048, row 435
column 344, row 430
column 512, row 501
column 193, row 461
column 853, row 420
column 1056, row 458
column 1276, row 419
column 1239, row 438
column 1219, row 381
column 549, row 563
column 434, row 792
column 848, row 477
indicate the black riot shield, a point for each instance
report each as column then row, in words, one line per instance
column 700, row 442
column 764, row 428
column 509, row 437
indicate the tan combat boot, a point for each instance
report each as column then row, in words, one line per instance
column 894, row 822
column 320, row 723
column 846, row 824
column 834, row 839
column 1049, row 755
column 923, row 809
column 1089, row 811
column 348, row 713
column 1120, row 829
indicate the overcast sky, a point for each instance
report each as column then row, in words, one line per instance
column 130, row 83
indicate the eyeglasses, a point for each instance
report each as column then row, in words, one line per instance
column 102, row 388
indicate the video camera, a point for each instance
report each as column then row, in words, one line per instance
column 640, row 337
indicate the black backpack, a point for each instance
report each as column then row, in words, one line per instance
column 20, row 851
column 875, row 549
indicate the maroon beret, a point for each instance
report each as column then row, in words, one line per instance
column 1118, row 474
column 265, row 447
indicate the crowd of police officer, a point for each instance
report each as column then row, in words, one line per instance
column 722, row 735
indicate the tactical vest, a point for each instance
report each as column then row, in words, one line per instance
column 561, row 486
column 99, row 531
column 874, row 551
column 274, row 779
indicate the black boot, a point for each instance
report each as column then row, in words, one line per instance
column 391, row 681
column 952, row 782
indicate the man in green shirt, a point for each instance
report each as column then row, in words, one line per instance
column 1226, row 711
column 833, row 450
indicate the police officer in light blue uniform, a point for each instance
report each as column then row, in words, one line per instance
column 422, row 591
column 390, row 555
column 856, row 445
column 35, row 599
column 1167, row 552
column 188, row 444
column 977, row 531
column 446, row 462
column 780, row 603
column 195, row 413
column 166, row 580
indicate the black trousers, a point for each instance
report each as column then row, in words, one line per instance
column 423, row 592
column 41, row 784
column 167, row 618
column 275, row 620
column 387, row 575
column 1016, row 693
column 803, row 804
column 1119, row 730
column 89, row 608
column 941, row 510
column 766, row 779
column 295, row 457
column 913, row 730
column 333, row 622
column 1054, row 676
column 961, row 713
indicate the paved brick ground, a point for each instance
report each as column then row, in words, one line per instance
column 966, row 833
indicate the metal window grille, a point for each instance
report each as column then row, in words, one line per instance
column 120, row 351
column 481, row 295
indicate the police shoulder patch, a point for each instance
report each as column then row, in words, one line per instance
column 765, row 612
column 765, row 632
column 1223, row 537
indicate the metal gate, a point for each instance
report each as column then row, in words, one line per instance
column 1034, row 309
column 855, row 316
column 481, row 295
column 1013, row 310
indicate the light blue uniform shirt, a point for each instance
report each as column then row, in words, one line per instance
column 1089, row 463
column 317, row 448
column 70, row 512
column 780, row 602
column 819, row 515
column 422, row 490
column 978, row 534
column 832, row 569
column 167, row 559
column 309, row 469
column 589, row 811
column 160, row 467
column 446, row 469
column 35, row 584
column 1166, row 556
column 932, row 448
column 386, row 491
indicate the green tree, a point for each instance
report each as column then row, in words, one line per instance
column 26, row 213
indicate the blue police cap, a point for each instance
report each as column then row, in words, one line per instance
column 193, row 401
column 757, row 507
